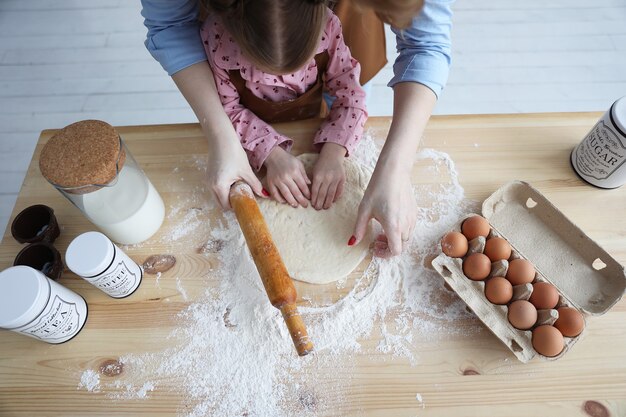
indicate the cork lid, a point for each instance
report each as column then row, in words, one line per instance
column 83, row 156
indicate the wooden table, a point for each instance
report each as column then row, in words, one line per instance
column 464, row 376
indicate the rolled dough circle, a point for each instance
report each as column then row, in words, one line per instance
column 313, row 243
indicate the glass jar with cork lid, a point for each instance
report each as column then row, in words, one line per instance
column 90, row 165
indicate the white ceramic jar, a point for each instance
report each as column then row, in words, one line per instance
column 600, row 159
column 95, row 258
column 34, row 305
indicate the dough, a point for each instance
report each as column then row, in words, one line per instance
column 314, row 244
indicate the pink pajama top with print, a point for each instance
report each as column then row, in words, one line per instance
column 347, row 116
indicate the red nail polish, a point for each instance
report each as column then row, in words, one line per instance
column 265, row 193
column 351, row 241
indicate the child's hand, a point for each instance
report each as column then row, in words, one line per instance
column 286, row 178
column 328, row 176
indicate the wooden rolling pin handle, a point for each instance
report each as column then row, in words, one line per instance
column 297, row 329
column 276, row 280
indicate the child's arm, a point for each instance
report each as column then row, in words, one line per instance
column 348, row 114
column 343, row 127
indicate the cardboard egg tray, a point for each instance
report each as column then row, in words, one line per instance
column 585, row 275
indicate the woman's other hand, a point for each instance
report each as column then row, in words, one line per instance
column 389, row 199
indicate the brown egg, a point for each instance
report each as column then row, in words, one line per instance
column 477, row 266
column 498, row 290
column 475, row 226
column 570, row 322
column 520, row 271
column 544, row 295
column 548, row 341
column 497, row 249
column 454, row 244
column 522, row 314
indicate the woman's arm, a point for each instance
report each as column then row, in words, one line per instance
column 228, row 162
column 420, row 73
column 389, row 195
column 174, row 40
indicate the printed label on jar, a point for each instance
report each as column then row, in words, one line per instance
column 60, row 321
column 601, row 153
column 120, row 282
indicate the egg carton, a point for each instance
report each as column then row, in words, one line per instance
column 585, row 275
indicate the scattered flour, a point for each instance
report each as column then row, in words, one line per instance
column 234, row 356
column 181, row 290
column 418, row 398
column 90, row 381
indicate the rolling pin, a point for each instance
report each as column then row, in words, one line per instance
column 276, row 279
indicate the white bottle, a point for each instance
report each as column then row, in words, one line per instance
column 36, row 306
column 600, row 159
column 95, row 258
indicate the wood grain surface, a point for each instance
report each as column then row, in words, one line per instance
column 461, row 376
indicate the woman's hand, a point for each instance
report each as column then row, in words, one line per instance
column 389, row 199
column 329, row 176
column 286, row 178
column 228, row 163
column 389, row 195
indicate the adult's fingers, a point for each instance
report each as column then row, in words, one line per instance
column 394, row 237
column 362, row 219
column 381, row 249
column 222, row 194
column 254, row 183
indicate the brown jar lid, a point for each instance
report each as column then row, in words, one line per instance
column 84, row 153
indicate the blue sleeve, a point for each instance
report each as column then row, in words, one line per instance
column 173, row 33
column 424, row 47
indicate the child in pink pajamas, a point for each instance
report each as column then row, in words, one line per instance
column 233, row 70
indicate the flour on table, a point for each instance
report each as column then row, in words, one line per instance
column 314, row 243
column 231, row 354
column 90, row 380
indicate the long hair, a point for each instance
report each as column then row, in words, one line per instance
column 278, row 36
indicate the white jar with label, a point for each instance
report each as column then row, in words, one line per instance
column 95, row 258
column 600, row 159
column 36, row 306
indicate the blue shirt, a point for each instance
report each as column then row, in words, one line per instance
column 174, row 40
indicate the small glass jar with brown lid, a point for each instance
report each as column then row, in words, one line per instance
column 90, row 165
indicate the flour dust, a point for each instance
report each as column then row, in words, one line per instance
column 234, row 356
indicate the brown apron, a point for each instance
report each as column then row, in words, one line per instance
column 364, row 34
column 307, row 106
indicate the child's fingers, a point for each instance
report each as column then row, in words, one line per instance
column 339, row 192
column 287, row 195
column 315, row 190
column 330, row 195
column 297, row 192
column 302, row 186
column 304, row 175
column 321, row 195
column 276, row 194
